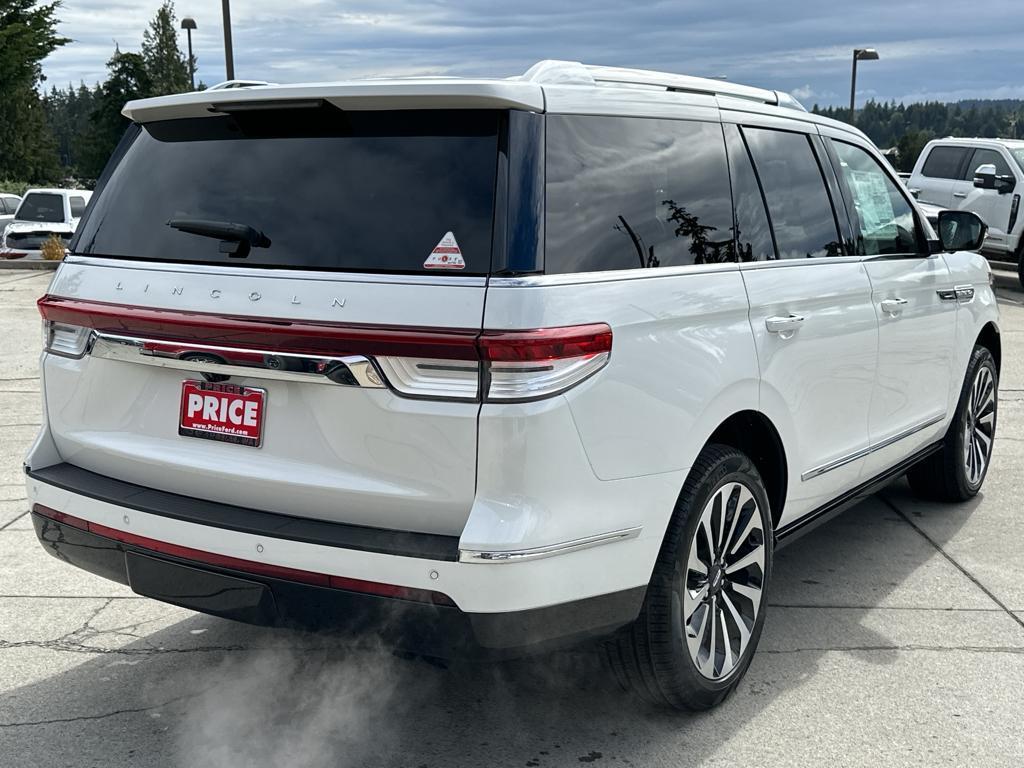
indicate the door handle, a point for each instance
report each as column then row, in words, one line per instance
column 784, row 326
column 893, row 306
column 961, row 195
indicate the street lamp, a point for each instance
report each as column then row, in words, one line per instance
column 229, row 56
column 859, row 54
column 188, row 24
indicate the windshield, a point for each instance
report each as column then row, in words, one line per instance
column 323, row 188
column 39, row 206
column 1018, row 155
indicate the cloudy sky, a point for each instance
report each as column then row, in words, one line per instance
column 939, row 49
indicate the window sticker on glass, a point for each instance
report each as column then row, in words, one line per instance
column 873, row 202
column 446, row 255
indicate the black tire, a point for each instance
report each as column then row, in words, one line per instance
column 945, row 476
column 651, row 656
column 1020, row 265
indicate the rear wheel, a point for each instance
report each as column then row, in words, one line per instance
column 1020, row 265
column 704, row 608
column 958, row 470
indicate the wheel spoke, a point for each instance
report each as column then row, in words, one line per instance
column 751, row 593
column 697, row 596
column 752, row 523
column 726, row 645
column 709, row 664
column 695, row 564
column 741, row 625
column 754, row 556
column 722, row 503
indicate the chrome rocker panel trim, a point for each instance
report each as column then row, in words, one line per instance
column 550, row 550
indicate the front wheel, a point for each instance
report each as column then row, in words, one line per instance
column 958, row 470
column 704, row 609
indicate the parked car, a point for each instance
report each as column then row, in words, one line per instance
column 8, row 205
column 566, row 358
column 981, row 175
column 40, row 215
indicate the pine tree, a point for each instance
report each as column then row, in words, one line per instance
column 165, row 63
column 27, row 35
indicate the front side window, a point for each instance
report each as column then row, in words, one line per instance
column 944, row 162
column 883, row 220
column 43, row 207
column 798, row 201
column 628, row 193
column 987, row 157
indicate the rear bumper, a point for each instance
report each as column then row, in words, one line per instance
column 276, row 570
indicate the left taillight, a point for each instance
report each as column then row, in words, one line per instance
column 66, row 340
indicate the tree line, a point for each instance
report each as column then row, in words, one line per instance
column 65, row 134
column 908, row 127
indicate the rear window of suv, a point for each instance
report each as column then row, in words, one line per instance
column 43, row 207
column 329, row 189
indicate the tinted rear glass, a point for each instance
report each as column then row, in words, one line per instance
column 944, row 162
column 40, row 206
column 628, row 193
column 798, row 201
column 360, row 191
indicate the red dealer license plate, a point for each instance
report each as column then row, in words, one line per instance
column 224, row 412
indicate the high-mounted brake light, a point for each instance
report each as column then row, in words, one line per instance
column 431, row 363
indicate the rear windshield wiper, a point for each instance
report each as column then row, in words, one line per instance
column 236, row 239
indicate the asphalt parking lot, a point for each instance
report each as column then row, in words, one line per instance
column 895, row 637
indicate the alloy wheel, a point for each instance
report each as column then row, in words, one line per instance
column 979, row 425
column 724, row 580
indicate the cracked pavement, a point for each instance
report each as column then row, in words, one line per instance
column 895, row 636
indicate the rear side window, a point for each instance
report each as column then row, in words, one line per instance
column 986, row 157
column 883, row 219
column 628, row 193
column 753, row 232
column 798, row 201
column 944, row 162
column 329, row 189
column 42, row 206
column 77, row 206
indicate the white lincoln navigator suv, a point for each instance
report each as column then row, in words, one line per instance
column 491, row 365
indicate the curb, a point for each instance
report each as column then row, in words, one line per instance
column 28, row 264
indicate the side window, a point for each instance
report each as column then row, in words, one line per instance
column 944, row 162
column 798, row 201
column 883, row 221
column 753, row 232
column 10, row 203
column 77, row 206
column 627, row 193
column 986, row 157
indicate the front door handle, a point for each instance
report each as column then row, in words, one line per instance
column 784, row 326
column 960, row 195
column 893, row 307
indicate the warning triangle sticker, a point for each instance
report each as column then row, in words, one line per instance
column 446, row 255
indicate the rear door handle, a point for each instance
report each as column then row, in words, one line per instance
column 961, row 195
column 893, row 306
column 784, row 326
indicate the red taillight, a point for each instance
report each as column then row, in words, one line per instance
column 448, row 363
column 545, row 343
column 246, row 566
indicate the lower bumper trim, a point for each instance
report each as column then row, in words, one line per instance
column 429, row 628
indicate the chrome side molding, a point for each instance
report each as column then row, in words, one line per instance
column 843, row 461
column 217, row 363
column 551, row 550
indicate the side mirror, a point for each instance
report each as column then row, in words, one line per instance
column 985, row 178
column 961, row 231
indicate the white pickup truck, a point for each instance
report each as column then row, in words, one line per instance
column 41, row 214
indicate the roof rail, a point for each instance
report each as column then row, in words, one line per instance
column 229, row 84
column 575, row 73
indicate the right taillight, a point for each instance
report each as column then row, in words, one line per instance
column 526, row 365
column 506, row 366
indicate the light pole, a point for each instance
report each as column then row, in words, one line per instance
column 859, row 54
column 188, row 24
column 229, row 56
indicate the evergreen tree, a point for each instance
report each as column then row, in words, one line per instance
column 27, row 35
column 166, row 65
column 128, row 80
